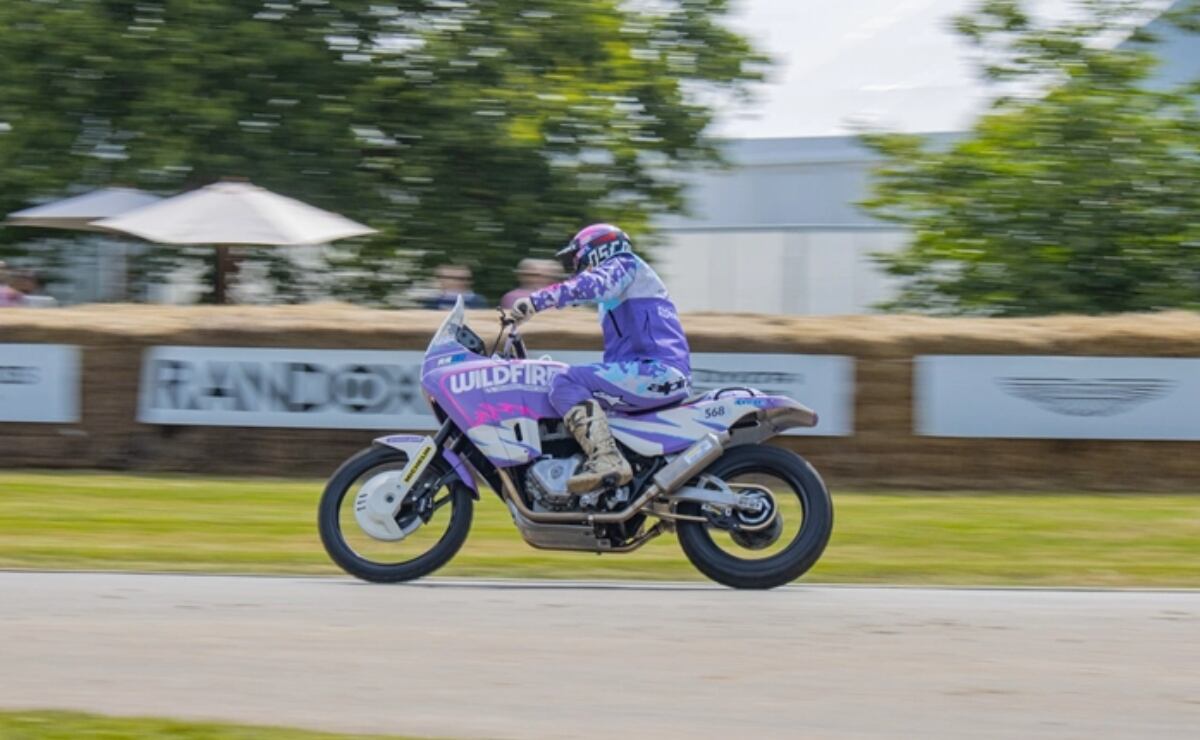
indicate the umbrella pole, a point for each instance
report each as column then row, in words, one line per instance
column 219, row 275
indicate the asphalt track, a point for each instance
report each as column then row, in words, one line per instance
column 578, row 660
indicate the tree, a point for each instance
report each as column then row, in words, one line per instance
column 475, row 131
column 1075, row 193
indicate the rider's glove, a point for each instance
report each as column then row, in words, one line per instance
column 522, row 310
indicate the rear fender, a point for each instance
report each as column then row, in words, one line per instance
column 773, row 415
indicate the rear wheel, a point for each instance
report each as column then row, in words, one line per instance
column 444, row 512
column 774, row 555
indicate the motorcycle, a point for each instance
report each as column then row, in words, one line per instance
column 746, row 515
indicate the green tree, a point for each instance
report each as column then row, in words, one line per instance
column 473, row 131
column 1076, row 193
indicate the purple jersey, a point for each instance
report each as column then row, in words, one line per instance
column 636, row 313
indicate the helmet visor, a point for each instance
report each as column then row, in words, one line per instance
column 566, row 257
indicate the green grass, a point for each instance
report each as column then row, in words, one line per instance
column 95, row 521
column 77, row 726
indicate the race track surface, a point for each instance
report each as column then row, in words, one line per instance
column 551, row 660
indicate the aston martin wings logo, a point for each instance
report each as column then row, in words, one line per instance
column 1087, row 397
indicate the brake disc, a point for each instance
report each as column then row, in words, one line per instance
column 386, row 530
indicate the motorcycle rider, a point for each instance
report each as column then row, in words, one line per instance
column 646, row 358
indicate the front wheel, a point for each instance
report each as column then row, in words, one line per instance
column 444, row 512
column 779, row 554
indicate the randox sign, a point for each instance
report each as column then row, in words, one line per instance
column 380, row 389
column 312, row 388
column 39, row 383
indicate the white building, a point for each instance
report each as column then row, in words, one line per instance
column 779, row 231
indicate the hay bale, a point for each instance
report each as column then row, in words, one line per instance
column 883, row 452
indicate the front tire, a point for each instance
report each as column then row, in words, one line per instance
column 332, row 520
column 794, row 559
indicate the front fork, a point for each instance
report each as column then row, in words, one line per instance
column 377, row 507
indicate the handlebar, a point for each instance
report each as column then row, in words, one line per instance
column 514, row 346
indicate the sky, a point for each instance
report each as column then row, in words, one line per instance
column 886, row 63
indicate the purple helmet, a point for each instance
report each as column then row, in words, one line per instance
column 592, row 246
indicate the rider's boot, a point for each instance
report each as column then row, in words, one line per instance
column 605, row 466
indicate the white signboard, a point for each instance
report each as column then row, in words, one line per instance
column 377, row 389
column 311, row 388
column 1153, row 398
column 39, row 383
column 824, row 383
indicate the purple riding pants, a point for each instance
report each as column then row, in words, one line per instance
column 636, row 385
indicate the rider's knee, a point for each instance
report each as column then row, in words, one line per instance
column 565, row 393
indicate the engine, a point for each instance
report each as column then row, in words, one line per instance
column 546, row 481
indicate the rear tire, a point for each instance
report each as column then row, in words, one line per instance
column 794, row 560
column 329, row 524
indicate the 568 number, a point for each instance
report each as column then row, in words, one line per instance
column 713, row 411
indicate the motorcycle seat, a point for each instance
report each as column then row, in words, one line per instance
column 695, row 397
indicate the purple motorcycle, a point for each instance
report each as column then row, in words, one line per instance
column 746, row 514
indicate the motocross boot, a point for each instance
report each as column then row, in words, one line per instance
column 605, row 466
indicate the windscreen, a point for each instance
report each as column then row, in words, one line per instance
column 448, row 332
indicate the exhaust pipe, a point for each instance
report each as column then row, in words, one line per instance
column 683, row 468
column 691, row 461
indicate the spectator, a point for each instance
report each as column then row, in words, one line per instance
column 9, row 295
column 453, row 281
column 532, row 274
column 25, row 289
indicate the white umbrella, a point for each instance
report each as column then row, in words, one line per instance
column 79, row 213
column 229, row 213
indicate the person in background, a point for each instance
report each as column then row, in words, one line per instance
column 532, row 274
column 9, row 295
column 453, row 281
column 28, row 288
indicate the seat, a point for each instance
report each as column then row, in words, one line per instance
column 695, row 397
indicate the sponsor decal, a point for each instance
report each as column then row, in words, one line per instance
column 761, row 403
column 227, row 386
column 1057, row 397
column 418, row 464
column 767, row 381
column 451, row 359
column 1081, row 397
column 525, row 376
column 19, row 375
column 39, row 383
column 294, row 387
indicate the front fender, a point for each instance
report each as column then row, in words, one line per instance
column 411, row 445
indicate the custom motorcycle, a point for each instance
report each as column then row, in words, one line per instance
column 746, row 515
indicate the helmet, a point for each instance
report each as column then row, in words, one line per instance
column 592, row 246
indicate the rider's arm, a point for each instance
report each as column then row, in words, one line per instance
column 603, row 282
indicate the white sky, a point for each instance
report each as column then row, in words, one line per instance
column 892, row 63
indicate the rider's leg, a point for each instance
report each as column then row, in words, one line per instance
column 582, row 395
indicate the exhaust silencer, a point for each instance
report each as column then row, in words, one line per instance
column 690, row 462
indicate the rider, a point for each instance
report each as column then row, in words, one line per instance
column 646, row 362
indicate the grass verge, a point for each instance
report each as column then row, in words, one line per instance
column 99, row 521
column 78, row 726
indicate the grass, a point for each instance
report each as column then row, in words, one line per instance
column 98, row 521
column 78, row 726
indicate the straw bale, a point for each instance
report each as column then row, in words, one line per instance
column 883, row 452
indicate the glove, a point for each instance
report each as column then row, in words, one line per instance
column 522, row 310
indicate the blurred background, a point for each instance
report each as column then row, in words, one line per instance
column 949, row 156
